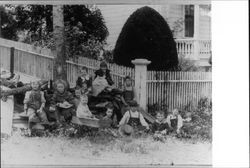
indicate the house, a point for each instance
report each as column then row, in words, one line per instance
column 191, row 26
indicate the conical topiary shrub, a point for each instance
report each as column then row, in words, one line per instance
column 147, row 35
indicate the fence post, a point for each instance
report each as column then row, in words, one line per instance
column 141, row 81
column 12, row 51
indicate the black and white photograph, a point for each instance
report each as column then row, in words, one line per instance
column 106, row 83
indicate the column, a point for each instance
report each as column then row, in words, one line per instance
column 141, row 81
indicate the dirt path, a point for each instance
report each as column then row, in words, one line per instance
column 23, row 150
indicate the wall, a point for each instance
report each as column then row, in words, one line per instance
column 205, row 23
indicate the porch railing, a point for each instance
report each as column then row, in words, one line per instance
column 191, row 47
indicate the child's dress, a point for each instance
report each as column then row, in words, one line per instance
column 34, row 101
column 83, row 111
column 128, row 94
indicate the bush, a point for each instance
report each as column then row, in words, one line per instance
column 201, row 123
column 186, row 64
column 147, row 35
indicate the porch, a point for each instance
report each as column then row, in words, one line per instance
column 198, row 50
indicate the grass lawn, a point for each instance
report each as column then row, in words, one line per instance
column 83, row 151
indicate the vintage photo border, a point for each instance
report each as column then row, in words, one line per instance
column 109, row 2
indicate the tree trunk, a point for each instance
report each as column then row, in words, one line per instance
column 0, row 22
column 58, row 34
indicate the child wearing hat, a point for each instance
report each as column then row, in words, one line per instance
column 62, row 102
column 34, row 103
column 134, row 118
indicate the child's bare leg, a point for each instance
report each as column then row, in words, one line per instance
column 31, row 114
column 43, row 116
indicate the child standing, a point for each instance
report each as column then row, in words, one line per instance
column 83, row 109
column 175, row 121
column 134, row 118
column 62, row 102
column 34, row 103
column 128, row 94
column 128, row 90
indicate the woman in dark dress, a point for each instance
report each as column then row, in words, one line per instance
column 106, row 71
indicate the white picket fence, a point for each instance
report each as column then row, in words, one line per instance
column 165, row 89
column 168, row 90
column 35, row 62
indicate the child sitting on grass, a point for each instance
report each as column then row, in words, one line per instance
column 109, row 119
column 83, row 109
column 175, row 122
column 34, row 103
column 62, row 102
column 134, row 118
column 107, row 122
column 160, row 127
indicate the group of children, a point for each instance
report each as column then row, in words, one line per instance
column 64, row 105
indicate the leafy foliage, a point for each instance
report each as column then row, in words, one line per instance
column 147, row 35
column 85, row 29
column 201, row 123
column 186, row 64
column 8, row 24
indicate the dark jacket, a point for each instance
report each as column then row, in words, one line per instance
column 79, row 82
column 60, row 98
column 108, row 76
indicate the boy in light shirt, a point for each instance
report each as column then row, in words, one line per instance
column 134, row 118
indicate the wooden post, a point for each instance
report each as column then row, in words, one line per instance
column 141, row 81
column 12, row 52
column 196, row 31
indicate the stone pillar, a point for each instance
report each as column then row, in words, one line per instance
column 141, row 81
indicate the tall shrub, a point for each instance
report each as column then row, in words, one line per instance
column 147, row 35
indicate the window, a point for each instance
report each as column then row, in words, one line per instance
column 189, row 20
